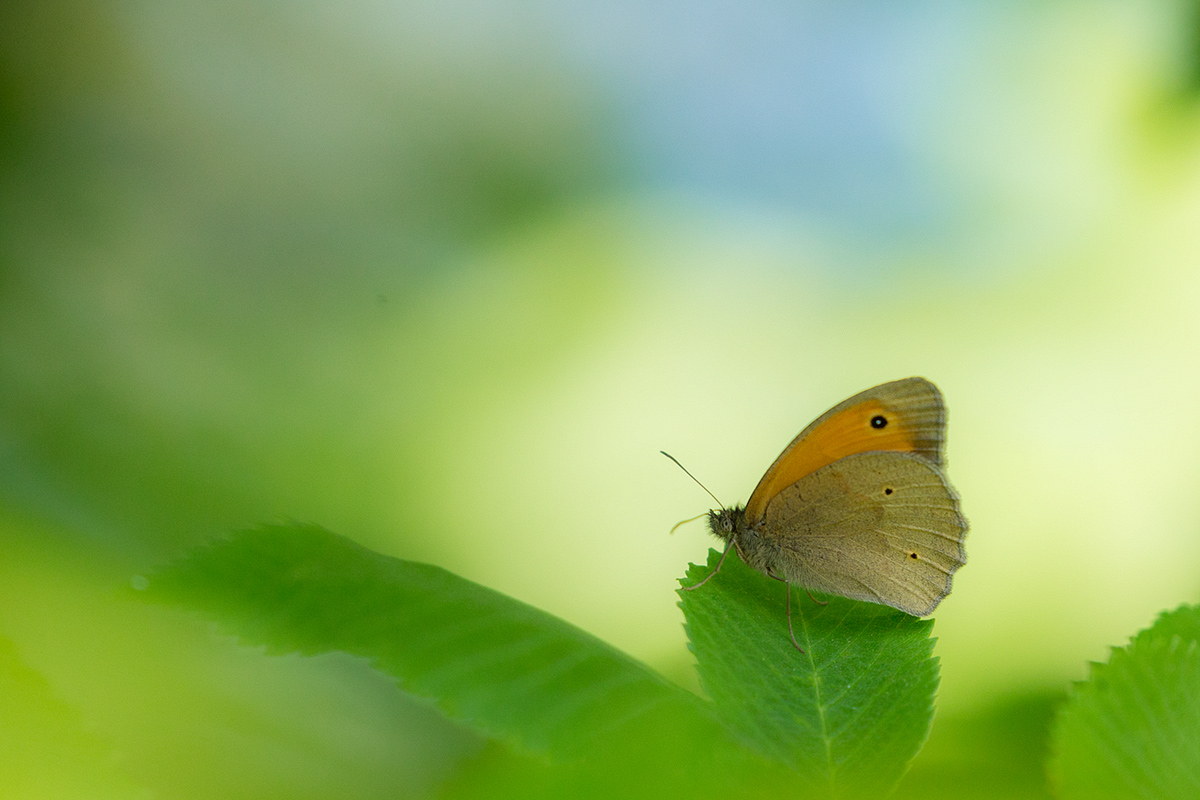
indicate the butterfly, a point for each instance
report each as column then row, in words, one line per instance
column 857, row 505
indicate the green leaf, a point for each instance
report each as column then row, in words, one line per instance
column 502, row 666
column 849, row 713
column 586, row 719
column 1133, row 729
column 995, row 750
column 46, row 750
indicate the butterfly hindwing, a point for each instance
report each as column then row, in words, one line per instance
column 880, row 526
column 906, row 416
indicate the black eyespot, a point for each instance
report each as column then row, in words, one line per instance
column 879, row 421
column 888, row 490
column 912, row 555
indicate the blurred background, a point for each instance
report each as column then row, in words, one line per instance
column 445, row 277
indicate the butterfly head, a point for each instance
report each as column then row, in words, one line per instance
column 730, row 524
column 725, row 523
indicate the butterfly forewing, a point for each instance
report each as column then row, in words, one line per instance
column 880, row 526
column 906, row 416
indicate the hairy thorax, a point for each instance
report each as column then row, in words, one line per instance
column 730, row 524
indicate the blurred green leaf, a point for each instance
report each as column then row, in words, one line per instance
column 849, row 713
column 1133, row 729
column 45, row 749
column 500, row 665
column 1189, row 62
column 993, row 751
column 583, row 716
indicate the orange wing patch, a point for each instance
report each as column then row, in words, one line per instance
column 905, row 416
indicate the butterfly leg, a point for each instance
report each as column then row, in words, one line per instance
column 708, row 577
column 771, row 574
column 815, row 600
column 791, row 633
column 788, row 586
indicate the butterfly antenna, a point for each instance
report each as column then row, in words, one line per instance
column 686, row 521
column 693, row 477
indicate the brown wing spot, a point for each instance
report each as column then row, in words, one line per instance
column 888, row 490
column 912, row 555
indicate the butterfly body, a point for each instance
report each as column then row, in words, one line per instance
column 858, row 505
